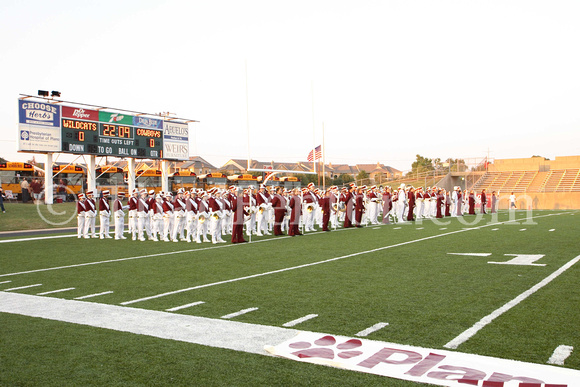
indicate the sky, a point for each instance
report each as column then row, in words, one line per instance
column 374, row 81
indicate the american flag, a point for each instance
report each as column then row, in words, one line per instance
column 316, row 153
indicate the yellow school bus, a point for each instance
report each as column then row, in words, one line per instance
column 243, row 181
column 211, row 180
column 12, row 174
column 148, row 178
column 183, row 179
column 69, row 179
column 112, row 178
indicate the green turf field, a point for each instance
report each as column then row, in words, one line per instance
column 351, row 279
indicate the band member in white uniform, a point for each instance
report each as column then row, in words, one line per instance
column 190, row 216
column 143, row 216
column 81, row 209
column 168, row 217
column 401, row 203
column 133, row 213
column 104, row 215
column 90, row 215
column 262, row 202
column 179, row 216
column 157, row 218
column 119, row 216
column 202, row 218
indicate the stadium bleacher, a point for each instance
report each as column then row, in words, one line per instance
column 561, row 180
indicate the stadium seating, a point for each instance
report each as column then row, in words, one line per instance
column 561, row 180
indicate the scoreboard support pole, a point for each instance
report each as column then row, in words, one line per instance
column 91, row 174
column 48, row 185
column 130, row 176
column 164, row 176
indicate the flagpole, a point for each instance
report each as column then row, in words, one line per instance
column 323, row 159
column 248, row 119
column 313, row 128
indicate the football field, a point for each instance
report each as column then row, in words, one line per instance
column 106, row 312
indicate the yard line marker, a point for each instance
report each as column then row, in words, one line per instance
column 553, row 229
column 466, row 335
column 36, row 238
column 376, row 228
column 419, row 228
column 227, row 246
column 523, row 229
column 5, row 282
column 443, row 228
column 93, row 295
column 185, row 306
column 494, row 229
column 22, row 287
column 560, row 354
column 299, row 320
column 239, row 313
column 54, row 291
column 311, row 264
column 369, row 330
column 472, row 254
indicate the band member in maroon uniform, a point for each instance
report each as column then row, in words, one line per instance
column 493, row 202
column 359, row 207
column 471, row 202
column 440, row 199
column 483, row 201
column 238, row 221
column 325, row 205
column 447, row 203
column 350, row 207
column 411, row 197
column 387, row 205
column 279, row 205
column 295, row 208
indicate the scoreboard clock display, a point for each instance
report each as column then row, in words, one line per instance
column 111, row 139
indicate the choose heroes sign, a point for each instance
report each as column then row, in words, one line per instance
column 86, row 131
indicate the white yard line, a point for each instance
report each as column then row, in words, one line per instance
column 560, row 355
column 54, row 291
column 314, row 263
column 5, row 282
column 466, row 335
column 36, row 238
column 369, row 330
column 116, row 260
column 93, row 295
column 22, row 287
column 185, row 306
column 299, row 320
column 239, row 313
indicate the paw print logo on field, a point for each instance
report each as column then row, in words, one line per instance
column 323, row 350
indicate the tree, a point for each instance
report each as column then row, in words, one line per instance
column 363, row 178
column 3, row 160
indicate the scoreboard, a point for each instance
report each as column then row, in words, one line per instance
column 107, row 139
column 68, row 129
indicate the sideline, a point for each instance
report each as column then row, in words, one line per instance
column 271, row 340
column 318, row 262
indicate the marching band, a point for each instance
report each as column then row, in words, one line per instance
column 206, row 216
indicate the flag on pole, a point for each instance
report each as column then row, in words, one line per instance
column 315, row 154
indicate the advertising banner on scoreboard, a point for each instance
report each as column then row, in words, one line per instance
column 175, row 141
column 38, row 127
column 116, row 118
